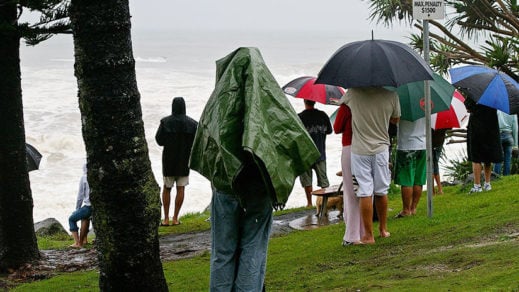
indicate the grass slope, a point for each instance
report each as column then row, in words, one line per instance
column 471, row 243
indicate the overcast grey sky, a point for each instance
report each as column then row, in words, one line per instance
column 305, row 15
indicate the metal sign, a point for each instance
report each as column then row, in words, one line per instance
column 428, row 9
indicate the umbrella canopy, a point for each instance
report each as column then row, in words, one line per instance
column 412, row 101
column 454, row 117
column 33, row 157
column 305, row 87
column 488, row 86
column 374, row 63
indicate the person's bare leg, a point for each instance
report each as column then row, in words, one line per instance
column 417, row 193
column 488, row 171
column 381, row 206
column 407, row 198
column 476, row 169
column 166, row 197
column 75, row 235
column 437, row 179
column 83, row 233
column 366, row 212
column 179, row 200
column 308, row 192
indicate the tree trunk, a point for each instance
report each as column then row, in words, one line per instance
column 124, row 194
column 17, row 239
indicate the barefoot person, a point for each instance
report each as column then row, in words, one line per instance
column 372, row 109
column 318, row 125
column 411, row 164
column 352, row 220
column 82, row 213
column 176, row 133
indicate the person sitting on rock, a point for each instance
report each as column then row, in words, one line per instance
column 83, row 212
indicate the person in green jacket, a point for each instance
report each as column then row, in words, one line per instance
column 251, row 145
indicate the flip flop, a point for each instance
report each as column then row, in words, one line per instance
column 162, row 224
column 174, row 224
column 400, row 215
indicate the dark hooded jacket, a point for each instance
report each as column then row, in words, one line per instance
column 176, row 133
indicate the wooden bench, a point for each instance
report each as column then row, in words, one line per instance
column 325, row 193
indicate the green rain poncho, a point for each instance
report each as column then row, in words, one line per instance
column 248, row 119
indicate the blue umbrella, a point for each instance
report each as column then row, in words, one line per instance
column 488, row 87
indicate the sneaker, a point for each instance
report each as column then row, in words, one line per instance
column 476, row 189
column 487, row 187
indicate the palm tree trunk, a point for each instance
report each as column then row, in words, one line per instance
column 17, row 239
column 124, row 194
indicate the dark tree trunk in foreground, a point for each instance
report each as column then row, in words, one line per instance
column 17, row 239
column 125, row 196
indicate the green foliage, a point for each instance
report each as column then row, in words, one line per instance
column 456, row 166
column 452, row 40
column 191, row 222
column 53, row 20
column 77, row 282
column 499, row 51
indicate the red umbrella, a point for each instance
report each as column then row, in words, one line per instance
column 305, row 87
column 454, row 117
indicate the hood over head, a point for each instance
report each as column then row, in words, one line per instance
column 178, row 106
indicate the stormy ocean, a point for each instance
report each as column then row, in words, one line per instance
column 168, row 64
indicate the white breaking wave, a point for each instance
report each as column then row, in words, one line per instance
column 151, row 60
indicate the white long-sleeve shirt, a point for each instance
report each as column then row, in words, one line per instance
column 83, row 194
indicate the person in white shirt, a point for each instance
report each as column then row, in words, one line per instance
column 82, row 213
column 411, row 164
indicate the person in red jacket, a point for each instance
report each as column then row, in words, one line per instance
column 352, row 219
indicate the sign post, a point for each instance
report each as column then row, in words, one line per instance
column 425, row 10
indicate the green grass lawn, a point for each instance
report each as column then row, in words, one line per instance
column 471, row 243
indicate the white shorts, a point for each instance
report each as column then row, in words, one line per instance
column 182, row 181
column 372, row 173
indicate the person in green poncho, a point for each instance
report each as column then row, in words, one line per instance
column 251, row 145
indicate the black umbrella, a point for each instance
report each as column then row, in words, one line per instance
column 33, row 157
column 374, row 63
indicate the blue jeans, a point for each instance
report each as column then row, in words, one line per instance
column 436, row 154
column 507, row 141
column 82, row 213
column 239, row 242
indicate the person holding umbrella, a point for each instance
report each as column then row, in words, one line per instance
column 410, row 167
column 352, row 220
column 318, row 125
column 483, row 142
column 372, row 108
column 364, row 68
